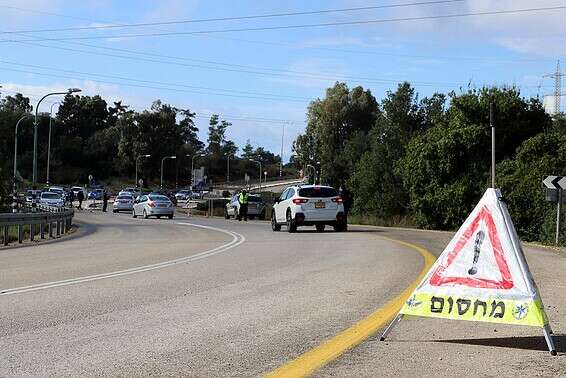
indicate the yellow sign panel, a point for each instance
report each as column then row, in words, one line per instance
column 521, row 312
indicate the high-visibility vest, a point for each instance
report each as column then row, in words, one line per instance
column 243, row 198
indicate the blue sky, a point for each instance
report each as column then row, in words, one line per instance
column 260, row 80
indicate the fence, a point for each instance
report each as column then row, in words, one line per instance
column 48, row 220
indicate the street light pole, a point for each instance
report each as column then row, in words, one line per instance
column 49, row 142
column 162, row 160
column 137, row 160
column 16, row 149
column 35, row 123
column 281, row 162
column 260, row 170
column 193, row 169
column 228, row 169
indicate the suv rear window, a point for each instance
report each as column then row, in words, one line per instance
column 318, row 192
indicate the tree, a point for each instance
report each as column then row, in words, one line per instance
column 16, row 104
column 331, row 123
column 247, row 151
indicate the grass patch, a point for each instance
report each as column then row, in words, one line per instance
column 373, row 220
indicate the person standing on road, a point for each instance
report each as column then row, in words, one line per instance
column 243, row 211
column 71, row 198
column 347, row 200
column 80, row 198
column 105, row 198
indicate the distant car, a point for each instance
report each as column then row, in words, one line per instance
column 123, row 202
column 30, row 193
column 256, row 207
column 167, row 193
column 149, row 205
column 58, row 190
column 309, row 205
column 183, row 195
column 135, row 192
column 96, row 194
column 77, row 189
column 51, row 199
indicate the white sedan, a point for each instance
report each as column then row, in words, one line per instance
column 51, row 199
column 123, row 202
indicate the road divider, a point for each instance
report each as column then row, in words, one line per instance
column 333, row 348
column 237, row 239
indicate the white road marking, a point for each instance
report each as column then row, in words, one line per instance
column 237, row 239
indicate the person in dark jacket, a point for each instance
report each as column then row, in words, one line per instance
column 71, row 198
column 80, row 198
column 105, row 198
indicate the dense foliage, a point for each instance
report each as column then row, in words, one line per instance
column 427, row 161
column 90, row 136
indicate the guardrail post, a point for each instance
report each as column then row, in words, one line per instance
column 42, row 230
column 20, row 233
column 58, row 228
column 50, row 228
column 5, row 235
column 31, row 232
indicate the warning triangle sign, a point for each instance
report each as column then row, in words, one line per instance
column 482, row 275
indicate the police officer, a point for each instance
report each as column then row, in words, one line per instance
column 105, row 198
column 80, row 198
column 243, row 200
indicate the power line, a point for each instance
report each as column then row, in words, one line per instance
column 198, row 113
column 151, row 81
column 234, row 18
column 297, row 26
column 150, row 86
column 253, row 70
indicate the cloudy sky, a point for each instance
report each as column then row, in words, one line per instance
column 263, row 79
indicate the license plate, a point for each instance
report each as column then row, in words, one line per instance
column 161, row 205
column 319, row 205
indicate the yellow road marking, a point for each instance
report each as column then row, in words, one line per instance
column 331, row 349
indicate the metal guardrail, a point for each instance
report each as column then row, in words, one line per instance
column 49, row 220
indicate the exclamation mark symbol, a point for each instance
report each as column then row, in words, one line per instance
column 480, row 236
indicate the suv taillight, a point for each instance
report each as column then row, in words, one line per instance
column 338, row 200
column 151, row 204
column 298, row 201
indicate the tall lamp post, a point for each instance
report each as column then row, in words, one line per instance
column 162, row 160
column 260, row 170
column 16, row 149
column 228, row 169
column 137, row 160
column 193, row 169
column 35, row 123
column 49, row 142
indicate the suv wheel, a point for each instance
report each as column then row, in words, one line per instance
column 226, row 215
column 144, row 214
column 291, row 225
column 274, row 225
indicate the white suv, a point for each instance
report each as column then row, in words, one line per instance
column 309, row 205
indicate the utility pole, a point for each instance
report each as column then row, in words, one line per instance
column 557, row 76
column 492, row 125
column 281, row 162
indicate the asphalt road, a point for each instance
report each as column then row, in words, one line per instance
column 209, row 297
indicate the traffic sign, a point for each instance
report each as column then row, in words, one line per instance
column 481, row 276
column 555, row 182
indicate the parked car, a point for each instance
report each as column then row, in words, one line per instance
column 58, row 190
column 256, row 207
column 153, row 204
column 309, row 205
column 77, row 189
column 123, row 202
column 183, row 195
column 30, row 193
column 167, row 193
column 96, row 194
column 134, row 192
column 51, row 199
